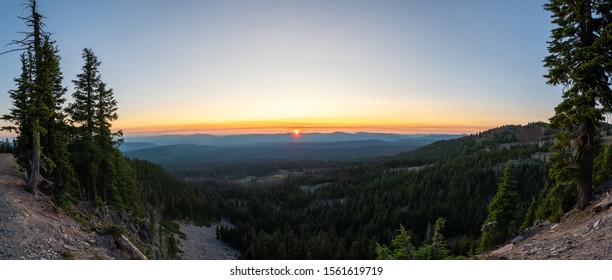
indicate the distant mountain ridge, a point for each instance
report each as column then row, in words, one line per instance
column 189, row 150
column 251, row 139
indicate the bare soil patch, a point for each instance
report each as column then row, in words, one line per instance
column 202, row 244
column 582, row 235
column 32, row 228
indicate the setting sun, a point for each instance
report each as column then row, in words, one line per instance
column 296, row 133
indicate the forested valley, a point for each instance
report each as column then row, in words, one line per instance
column 451, row 199
column 346, row 211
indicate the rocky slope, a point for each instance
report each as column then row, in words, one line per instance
column 32, row 227
column 202, row 244
column 581, row 235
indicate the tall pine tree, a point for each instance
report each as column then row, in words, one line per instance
column 18, row 115
column 83, row 116
column 102, row 169
column 55, row 141
column 580, row 60
column 500, row 222
column 34, row 99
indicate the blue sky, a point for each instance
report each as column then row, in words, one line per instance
column 248, row 66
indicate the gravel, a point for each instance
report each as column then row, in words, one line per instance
column 202, row 244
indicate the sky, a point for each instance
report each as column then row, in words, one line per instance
column 266, row 66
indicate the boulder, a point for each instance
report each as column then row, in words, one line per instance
column 106, row 242
column 517, row 239
column 603, row 205
column 144, row 234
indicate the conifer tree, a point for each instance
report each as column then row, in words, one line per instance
column 55, row 139
column 602, row 166
column 101, row 167
column 83, row 115
column 580, row 60
column 438, row 248
column 499, row 225
column 529, row 215
column 34, row 99
column 402, row 247
column 19, row 113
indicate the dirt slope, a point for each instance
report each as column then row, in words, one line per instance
column 202, row 244
column 32, row 228
column 582, row 235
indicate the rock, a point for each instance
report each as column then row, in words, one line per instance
column 69, row 248
column 503, row 249
column 603, row 205
column 106, row 242
column 596, row 225
column 517, row 239
column 143, row 232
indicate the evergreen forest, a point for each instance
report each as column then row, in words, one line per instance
column 452, row 199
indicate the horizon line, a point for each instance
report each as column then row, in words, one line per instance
column 291, row 133
column 229, row 129
column 238, row 129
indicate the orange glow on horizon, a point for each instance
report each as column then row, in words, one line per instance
column 269, row 127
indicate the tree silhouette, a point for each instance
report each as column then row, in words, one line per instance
column 93, row 109
column 580, row 60
column 499, row 224
column 34, row 100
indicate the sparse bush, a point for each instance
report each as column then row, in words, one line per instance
column 174, row 228
column 114, row 230
column 67, row 255
column 98, row 202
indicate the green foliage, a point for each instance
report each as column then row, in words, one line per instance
column 500, row 222
column 173, row 228
column 56, row 137
column 555, row 201
column 71, row 148
column 602, row 166
column 402, row 248
column 98, row 202
column 67, row 255
column 439, row 247
column 174, row 198
column 5, row 146
column 35, row 100
column 81, row 219
column 172, row 248
column 362, row 204
column 529, row 216
column 114, row 230
column 579, row 61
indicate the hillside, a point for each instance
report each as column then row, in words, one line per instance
column 33, row 228
column 326, row 212
column 272, row 149
column 581, row 235
column 190, row 155
column 252, row 139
